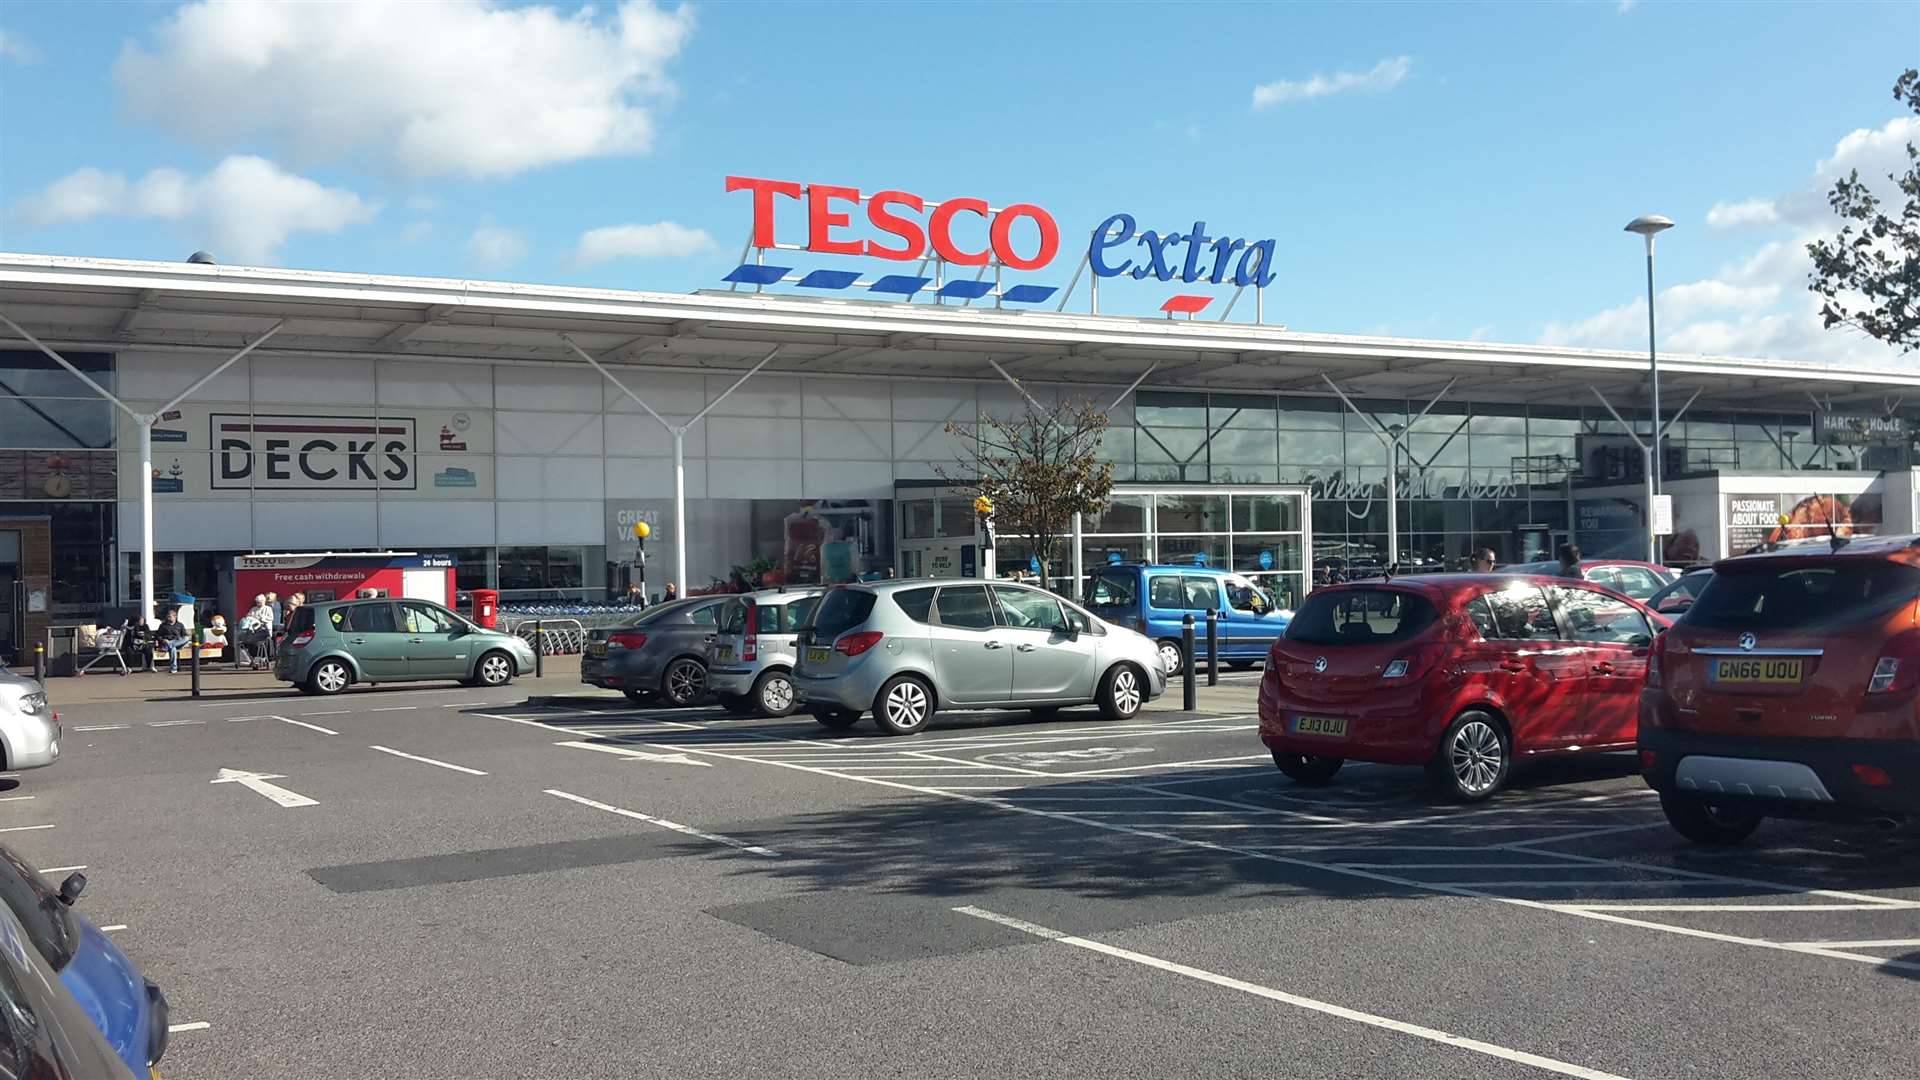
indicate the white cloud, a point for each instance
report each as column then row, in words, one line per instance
column 495, row 247
column 459, row 87
column 1378, row 79
column 243, row 209
column 416, row 232
column 1759, row 305
column 1726, row 215
column 662, row 239
column 1627, row 5
column 14, row 49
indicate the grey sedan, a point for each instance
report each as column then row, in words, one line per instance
column 661, row 654
column 905, row 649
column 29, row 729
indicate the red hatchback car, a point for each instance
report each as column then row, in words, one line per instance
column 1461, row 673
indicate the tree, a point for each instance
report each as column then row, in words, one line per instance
column 1868, row 277
column 1039, row 469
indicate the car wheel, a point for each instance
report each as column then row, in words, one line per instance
column 773, row 693
column 836, row 719
column 1307, row 770
column 903, row 705
column 1474, row 758
column 1170, row 656
column 683, row 682
column 638, row 697
column 329, row 677
column 1122, row 692
column 1707, row 823
column 496, row 669
column 736, row 704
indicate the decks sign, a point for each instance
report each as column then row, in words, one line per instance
column 304, row 453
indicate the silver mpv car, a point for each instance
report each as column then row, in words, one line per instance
column 906, row 649
column 750, row 659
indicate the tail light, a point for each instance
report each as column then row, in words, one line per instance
column 1898, row 669
column 1872, row 775
column 1657, row 661
column 750, row 646
column 300, row 640
column 855, row 644
column 626, row 639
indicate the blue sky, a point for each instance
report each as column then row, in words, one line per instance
column 1427, row 170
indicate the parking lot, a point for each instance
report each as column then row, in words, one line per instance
column 448, row 882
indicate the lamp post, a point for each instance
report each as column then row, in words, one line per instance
column 1649, row 226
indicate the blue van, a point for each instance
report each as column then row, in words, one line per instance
column 1153, row 599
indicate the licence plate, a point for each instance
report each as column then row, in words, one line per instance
column 598, row 648
column 1756, row 671
column 818, row 655
column 1320, row 725
column 723, row 652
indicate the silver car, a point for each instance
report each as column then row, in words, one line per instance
column 906, row 649
column 29, row 728
column 750, row 660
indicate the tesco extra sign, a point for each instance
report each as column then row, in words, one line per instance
column 909, row 230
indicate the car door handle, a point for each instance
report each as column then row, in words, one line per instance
column 416, row 641
column 995, row 645
column 1603, row 668
column 1026, row 648
column 1512, row 665
column 356, row 641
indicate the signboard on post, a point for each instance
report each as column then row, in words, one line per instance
column 1856, row 429
column 1663, row 515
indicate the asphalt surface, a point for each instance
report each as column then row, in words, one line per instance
column 447, row 882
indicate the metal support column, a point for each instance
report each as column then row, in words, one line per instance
column 679, row 433
column 1079, row 558
column 1392, row 442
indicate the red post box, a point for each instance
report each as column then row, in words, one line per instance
column 486, row 608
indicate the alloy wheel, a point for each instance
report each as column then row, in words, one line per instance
column 494, row 670
column 1475, row 757
column 907, row 705
column 776, row 696
column 1126, row 690
column 331, row 677
column 685, row 681
column 1170, row 657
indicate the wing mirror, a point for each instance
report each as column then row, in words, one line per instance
column 72, row 887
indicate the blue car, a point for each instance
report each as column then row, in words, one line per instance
column 1155, row 599
column 130, row 1011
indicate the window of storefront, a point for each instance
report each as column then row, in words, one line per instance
column 535, row 573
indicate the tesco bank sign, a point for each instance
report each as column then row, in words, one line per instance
column 912, row 229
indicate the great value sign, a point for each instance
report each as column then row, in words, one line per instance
column 298, row 453
column 910, row 227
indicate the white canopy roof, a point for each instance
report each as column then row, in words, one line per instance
column 111, row 304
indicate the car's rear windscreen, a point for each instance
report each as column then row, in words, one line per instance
column 1361, row 617
column 841, row 611
column 1803, row 596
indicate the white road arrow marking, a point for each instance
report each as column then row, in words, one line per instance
column 639, row 755
column 257, row 782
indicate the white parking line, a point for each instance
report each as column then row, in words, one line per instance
column 101, row 727
column 465, row 704
column 1460, row 866
column 114, row 926
column 427, row 760
column 665, row 824
column 1222, row 762
column 16, row 798
column 1882, row 943
column 197, row 1025
column 396, row 708
column 328, row 712
column 538, row 724
column 1445, row 1038
column 62, row 869
column 25, row 828
column 304, row 724
column 172, row 723
column 1578, row 908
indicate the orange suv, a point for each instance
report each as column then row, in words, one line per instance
column 1790, row 689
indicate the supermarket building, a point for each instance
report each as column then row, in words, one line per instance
column 525, row 428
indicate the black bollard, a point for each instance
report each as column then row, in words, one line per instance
column 1213, row 648
column 539, row 649
column 193, row 661
column 1189, row 694
column 40, row 662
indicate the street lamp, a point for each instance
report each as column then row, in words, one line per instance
column 1649, row 226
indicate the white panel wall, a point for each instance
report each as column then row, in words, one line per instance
column 541, row 387
column 189, row 526
column 546, row 432
column 331, row 381
column 652, row 478
column 441, row 524
column 157, row 377
column 635, row 434
column 307, row 526
column 551, row 522
column 448, row 386
column 548, row 477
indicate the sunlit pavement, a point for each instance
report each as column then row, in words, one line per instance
column 448, row 882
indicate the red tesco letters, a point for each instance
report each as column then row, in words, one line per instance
column 826, row 214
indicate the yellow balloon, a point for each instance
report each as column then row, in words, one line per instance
column 641, row 530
